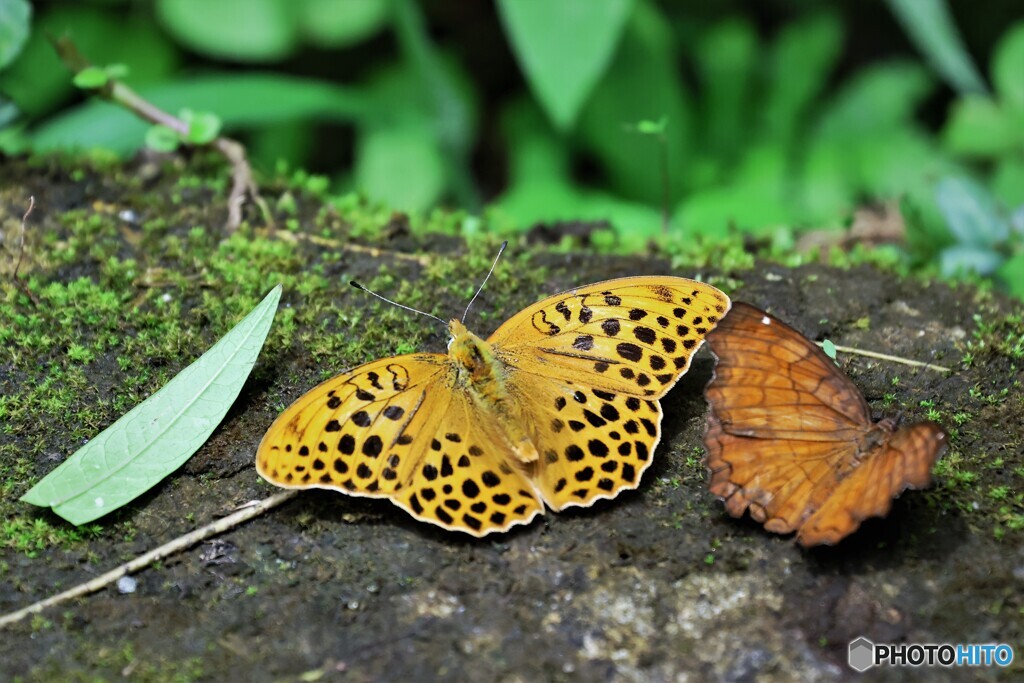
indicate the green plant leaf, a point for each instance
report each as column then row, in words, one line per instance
column 1008, row 67
column 38, row 81
column 8, row 112
column 726, row 57
column 333, row 24
column 563, row 48
column 642, row 82
column 971, row 212
column 927, row 232
column 980, row 126
column 153, row 439
column 240, row 100
column 401, row 166
column 15, row 17
column 876, row 98
column 162, row 139
column 964, row 259
column 203, row 126
column 1012, row 274
column 1008, row 181
column 647, row 127
column 799, row 65
column 90, row 78
column 931, row 28
column 238, row 30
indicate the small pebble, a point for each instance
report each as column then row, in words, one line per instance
column 126, row 584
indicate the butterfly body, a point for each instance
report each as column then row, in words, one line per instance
column 482, row 376
column 790, row 438
column 558, row 408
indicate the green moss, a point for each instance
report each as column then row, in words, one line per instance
column 29, row 536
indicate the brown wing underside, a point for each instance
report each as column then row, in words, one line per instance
column 786, row 431
column 903, row 462
column 771, row 382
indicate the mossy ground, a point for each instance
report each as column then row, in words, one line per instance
column 127, row 277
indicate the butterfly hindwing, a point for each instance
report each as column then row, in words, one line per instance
column 904, row 461
column 776, row 480
column 466, row 477
column 591, row 443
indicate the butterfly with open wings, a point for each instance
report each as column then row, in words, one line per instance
column 558, row 408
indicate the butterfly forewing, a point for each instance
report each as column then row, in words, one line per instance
column 770, row 382
column 633, row 335
column 342, row 433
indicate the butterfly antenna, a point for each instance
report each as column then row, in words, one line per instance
column 395, row 303
column 481, row 288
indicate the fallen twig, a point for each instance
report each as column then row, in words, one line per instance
column 341, row 245
column 242, row 184
column 177, row 545
column 887, row 357
column 21, row 254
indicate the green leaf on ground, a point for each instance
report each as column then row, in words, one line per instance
column 157, row 436
column 563, row 48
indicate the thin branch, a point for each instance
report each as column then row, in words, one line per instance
column 21, row 254
column 887, row 357
column 142, row 561
column 342, row 245
column 242, row 184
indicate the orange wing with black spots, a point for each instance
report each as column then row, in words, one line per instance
column 401, row 429
column 633, row 336
column 588, row 367
column 559, row 407
column 790, row 438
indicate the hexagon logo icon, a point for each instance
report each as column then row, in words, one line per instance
column 862, row 654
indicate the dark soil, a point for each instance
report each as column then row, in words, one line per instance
column 659, row 584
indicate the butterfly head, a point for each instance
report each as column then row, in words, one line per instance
column 471, row 354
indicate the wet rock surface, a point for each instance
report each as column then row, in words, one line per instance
column 656, row 585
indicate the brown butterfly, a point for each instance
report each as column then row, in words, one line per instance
column 790, row 438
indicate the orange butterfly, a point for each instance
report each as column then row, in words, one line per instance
column 559, row 407
column 790, row 438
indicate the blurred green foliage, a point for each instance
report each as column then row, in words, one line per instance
column 646, row 116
